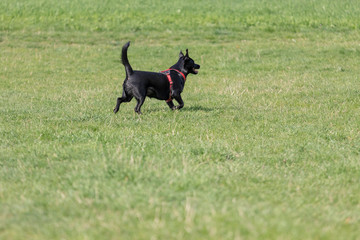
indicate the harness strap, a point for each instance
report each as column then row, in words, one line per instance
column 171, row 84
column 167, row 71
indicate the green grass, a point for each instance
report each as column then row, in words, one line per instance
column 266, row 147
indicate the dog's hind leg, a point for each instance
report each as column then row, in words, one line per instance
column 140, row 102
column 123, row 98
column 140, row 95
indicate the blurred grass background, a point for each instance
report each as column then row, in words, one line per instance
column 267, row 145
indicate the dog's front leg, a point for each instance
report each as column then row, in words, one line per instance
column 171, row 105
column 180, row 101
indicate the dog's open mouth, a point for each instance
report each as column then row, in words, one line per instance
column 195, row 69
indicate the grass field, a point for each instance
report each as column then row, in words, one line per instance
column 266, row 147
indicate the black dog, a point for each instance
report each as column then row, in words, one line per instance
column 165, row 85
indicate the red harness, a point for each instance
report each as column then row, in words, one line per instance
column 167, row 71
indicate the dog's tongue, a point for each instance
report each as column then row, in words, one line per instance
column 195, row 71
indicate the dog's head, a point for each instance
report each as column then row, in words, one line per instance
column 189, row 64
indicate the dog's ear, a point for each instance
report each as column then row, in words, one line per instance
column 181, row 55
column 187, row 53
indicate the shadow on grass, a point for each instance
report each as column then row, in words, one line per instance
column 196, row 108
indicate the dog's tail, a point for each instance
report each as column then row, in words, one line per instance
column 125, row 61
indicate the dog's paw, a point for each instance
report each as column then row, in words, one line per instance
column 115, row 110
column 138, row 112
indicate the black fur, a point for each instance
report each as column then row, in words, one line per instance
column 139, row 84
